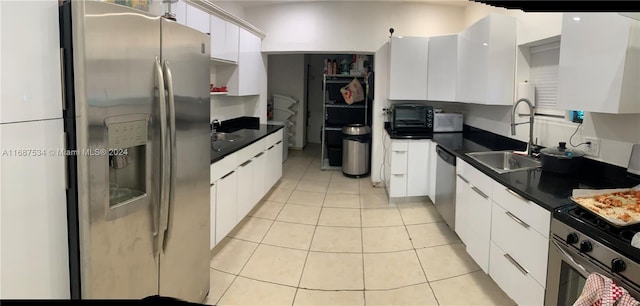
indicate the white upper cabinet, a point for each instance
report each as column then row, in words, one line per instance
column 30, row 74
column 408, row 61
column 486, row 61
column 197, row 19
column 443, row 62
column 599, row 68
column 244, row 80
column 224, row 39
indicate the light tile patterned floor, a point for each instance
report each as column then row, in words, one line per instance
column 319, row 238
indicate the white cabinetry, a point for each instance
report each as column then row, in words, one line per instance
column 30, row 78
column 443, row 61
column 244, row 78
column 224, row 39
column 197, row 19
column 240, row 180
column 473, row 212
column 433, row 159
column 274, row 159
column 408, row 166
column 516, row 265
column 226, row 205
column 486, row 61
column 245, row 196
column 408, row 61
column 34, row 205
column 212, row 211
column 599, row 69
column 505, row 234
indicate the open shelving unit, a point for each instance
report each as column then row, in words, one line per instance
column 337, row 113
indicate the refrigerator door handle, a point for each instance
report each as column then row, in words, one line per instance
column 172, row 149
column 159, row 226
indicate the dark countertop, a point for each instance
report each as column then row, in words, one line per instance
column 406, row 135
column 248, row 135
column 545, row 189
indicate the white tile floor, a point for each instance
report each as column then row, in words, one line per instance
column 319, row 238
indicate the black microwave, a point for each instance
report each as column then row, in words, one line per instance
column 412, row 117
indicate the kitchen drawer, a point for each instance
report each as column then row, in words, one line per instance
column 477, row 179
column 524, row 244
column 529, row 212
column 399, row 145
column 399, row 162
column 520, row 287
column 273, row 138
column 223, row 166
column 250, row 151
column 398, row 185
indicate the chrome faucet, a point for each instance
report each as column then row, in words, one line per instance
column 513, row 123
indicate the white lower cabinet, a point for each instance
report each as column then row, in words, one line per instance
column 259, row 175
column 212, row 212
column 479, row 223
column 473, row 212
column 226, row 205
column 462, row 208
column 408, row 166
column 245, row 196
column 513, row 280
column 240, row 180
column 507, row 235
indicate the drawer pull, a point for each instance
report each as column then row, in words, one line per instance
column 516, row 264
column 462, row 178
column 512, row 216
column 399, row 151
column 479, row 192
column 515, row 194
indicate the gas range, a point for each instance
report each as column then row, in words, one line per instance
column 600, row 246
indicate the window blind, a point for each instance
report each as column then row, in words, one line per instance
column 544, row 75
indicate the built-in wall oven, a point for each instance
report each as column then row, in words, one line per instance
column 582, row 244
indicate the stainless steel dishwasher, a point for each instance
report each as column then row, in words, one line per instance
column 446, row 186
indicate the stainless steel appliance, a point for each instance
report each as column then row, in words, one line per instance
column 445, row 199
column 581, row 244
column 138, row 116
column 356, row 145
column 412, row 117
column 447, row 122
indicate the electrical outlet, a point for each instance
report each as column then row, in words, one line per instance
column 593, row 149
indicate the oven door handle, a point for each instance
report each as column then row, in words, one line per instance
column 573, row 262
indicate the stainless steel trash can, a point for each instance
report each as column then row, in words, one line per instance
column 356, row 150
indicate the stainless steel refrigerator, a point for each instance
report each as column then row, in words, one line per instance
column 137, row 123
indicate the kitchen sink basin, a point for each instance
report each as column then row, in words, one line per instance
column 504, row 161
column 225, row 137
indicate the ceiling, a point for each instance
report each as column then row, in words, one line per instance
column 257, row 3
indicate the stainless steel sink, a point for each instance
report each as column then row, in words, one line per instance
column 225, row 137
column 504, row 161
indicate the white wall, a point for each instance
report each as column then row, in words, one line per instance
column 286, row 76
column 349, row 26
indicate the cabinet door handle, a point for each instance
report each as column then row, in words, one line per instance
column 225, row 176
column 515, row 194
column 279, row 142
column 259, row 154
column 246, row 163
column 399, row 151
column 512, row 216
column 462, row 178
column 479, row 192
column 516, row 264
column 271, row 147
